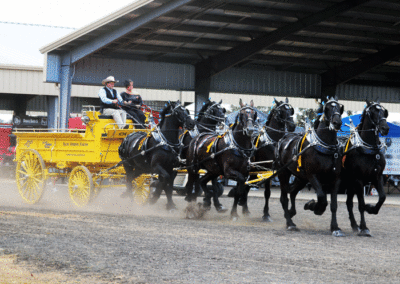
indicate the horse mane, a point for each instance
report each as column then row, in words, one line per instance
column 271, row 113
column 360, row 125
column 163, row 113
column 203, row 109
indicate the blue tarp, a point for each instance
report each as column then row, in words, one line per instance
column 345, row 130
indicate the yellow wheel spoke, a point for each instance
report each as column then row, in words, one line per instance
column 31, row 176
column 80, row 185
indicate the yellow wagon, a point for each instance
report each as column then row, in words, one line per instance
column 83, row 156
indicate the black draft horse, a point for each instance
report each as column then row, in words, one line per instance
column 279, row 122
column 228, row 155
column 156, row 153
column 209, row 117
column 364, row 161
column 312, row 158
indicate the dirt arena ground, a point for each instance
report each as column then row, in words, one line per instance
column 114, row 241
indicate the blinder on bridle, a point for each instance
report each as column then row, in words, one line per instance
column 178, row 110
column 249, row 112
column 336, row 106
column 210, row 109
column 278, row 111
column 383, row 114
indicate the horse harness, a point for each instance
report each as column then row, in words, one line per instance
column 315, row 142
column 364, row 148
column 161, row 142
column 229, row 141
column 358, row 143
column 264, row 139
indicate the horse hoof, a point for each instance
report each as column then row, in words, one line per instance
column 364, row 233
column 356, row 229
column 267, row 219
column 292, row 228
column 370, row 209
column 152, row 200
column 246, row 213
column 127, row 194
column 172, row 211
column 308, row 204
column 221, row 209
column 338, row 233
column 234, row 218
column 172, row 208
column 190, row 215
column 206, row 208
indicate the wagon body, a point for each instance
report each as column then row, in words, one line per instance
column 82, row 155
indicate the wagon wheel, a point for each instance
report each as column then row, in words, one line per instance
column 80, row 185
column 141, row 188
column 31, row 176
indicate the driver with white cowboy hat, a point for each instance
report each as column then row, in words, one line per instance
column 109, row 102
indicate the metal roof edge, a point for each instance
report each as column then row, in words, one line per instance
column 21, row 67
column 90, row 27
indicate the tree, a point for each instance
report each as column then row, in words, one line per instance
column 302, row 116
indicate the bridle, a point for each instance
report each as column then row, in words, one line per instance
column 175, row 112
column 207, row 113
column 278, row 117
column 380, row 118
column 248, row 111
column 333, row 103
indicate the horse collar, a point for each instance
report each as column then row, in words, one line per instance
column 247, row 152
column 264, row 140
column 366, row 148
column 160, row 138
column 320, row 145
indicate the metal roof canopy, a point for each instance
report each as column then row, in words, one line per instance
column 205, row 45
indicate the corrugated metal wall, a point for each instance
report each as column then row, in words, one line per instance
column 28, row 80
column 155, row 75
column 266, row 82
column 360, row 93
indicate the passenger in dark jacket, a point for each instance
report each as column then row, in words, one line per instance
column 132, row 103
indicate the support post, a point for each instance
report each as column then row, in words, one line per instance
column 202, row 87
column 65, row 90
column 52, row 112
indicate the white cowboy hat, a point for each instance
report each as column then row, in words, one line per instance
column 109, row 79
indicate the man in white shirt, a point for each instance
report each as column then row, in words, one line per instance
column 109, row 102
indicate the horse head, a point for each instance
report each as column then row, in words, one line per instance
column 213, row 111
column 332, row 114
column 179, row 113
column 377, row 115
column 283, row 113
column 247, row 118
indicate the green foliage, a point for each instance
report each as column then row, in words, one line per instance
column 303, row 114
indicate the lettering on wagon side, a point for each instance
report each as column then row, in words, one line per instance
column 75, row 144
column 28, row 143
column 46, row 144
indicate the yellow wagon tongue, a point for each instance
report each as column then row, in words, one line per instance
column 301, row 147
